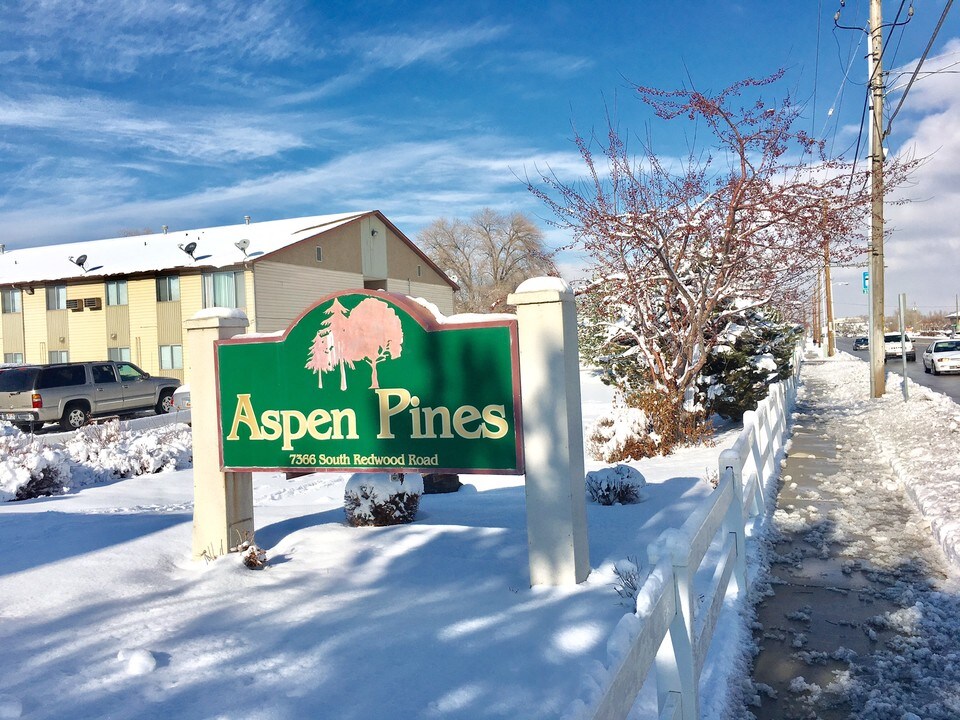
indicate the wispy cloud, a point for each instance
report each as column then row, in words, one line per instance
column 190, row 134
column 413, row 183
column 110, row 38
column 398, row 50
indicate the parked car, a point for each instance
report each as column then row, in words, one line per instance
column 942, row 356
column 181, row 398
column 861, row 343
column 70, row 393
column 893, row 347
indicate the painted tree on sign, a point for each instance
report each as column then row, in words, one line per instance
column 330, row 347
column 320, row 356
column 376, row 334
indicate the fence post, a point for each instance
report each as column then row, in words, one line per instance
column 552, row 432
column 676, row 666
column 731, row 464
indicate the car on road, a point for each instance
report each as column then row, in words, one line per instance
column 861, row 343
column 942, row 356
column 70, row 393
column 893, row 347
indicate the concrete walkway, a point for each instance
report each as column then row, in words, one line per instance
column 849, row 557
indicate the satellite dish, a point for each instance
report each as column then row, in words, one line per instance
column 188, row 248
column 242, row 246
column 81, row 260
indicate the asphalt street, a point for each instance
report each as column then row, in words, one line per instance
column 949, row 385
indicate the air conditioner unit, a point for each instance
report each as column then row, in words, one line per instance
column 76, row 305
column 94, row 303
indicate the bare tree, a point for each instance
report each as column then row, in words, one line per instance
column 488, row 256
column 676, row 248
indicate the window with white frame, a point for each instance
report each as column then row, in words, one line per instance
column 168, row 288
column 119, row 354
column 116, row 292
column 14, row 358
column 223, row 289
column 57, row 297
column 58, row 356
column 12, row 301
column 171, row 357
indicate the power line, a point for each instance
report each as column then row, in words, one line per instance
column 916, row 70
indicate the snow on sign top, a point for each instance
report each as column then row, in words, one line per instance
column 212, row 248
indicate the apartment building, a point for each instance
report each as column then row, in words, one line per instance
column 127, row 298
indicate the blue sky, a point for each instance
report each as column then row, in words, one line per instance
column 118, row 114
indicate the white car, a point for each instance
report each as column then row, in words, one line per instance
column 893, row 347
column 181, row 399
column 942, row 356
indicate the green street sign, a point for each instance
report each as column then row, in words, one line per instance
column 372, row 381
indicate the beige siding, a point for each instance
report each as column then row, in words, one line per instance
column 442, row 297
column 250, row 300
column 118, row 325
column 191, row 302
column 142, row 296
column 87, row 334
column 169, row 324
column 284, row 291
column 405, row 264
column 58, row 332
column 12, row 329
column 341, row 251
column 35, row 326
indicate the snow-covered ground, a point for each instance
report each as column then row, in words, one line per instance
column 104, row 614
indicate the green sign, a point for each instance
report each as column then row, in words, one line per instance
column 372, row 381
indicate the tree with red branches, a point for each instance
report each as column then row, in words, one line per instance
column 676, row 248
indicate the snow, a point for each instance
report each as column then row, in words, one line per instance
column 105, row 615
column 220, row 312
column 215, row 248
column 541, row 284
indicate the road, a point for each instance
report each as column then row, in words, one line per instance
column 949, row 385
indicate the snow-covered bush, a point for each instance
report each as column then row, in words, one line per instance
column 629, row 579
column 105, row 448
column 645, row 424
column 620, row 484
column 753, row 352
column 622, row 435
column 95, row 453
column 251, row 554
column 382, row 498
column 28, row 469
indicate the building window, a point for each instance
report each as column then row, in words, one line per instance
column 171, row 357
column 12, row 301
column 419, row 270
column 118, row 354
column 168, row 288
column 223, row 289
column 58, row 356
column 13, row 358
column 116, row 292
column 57, row 298
column 319, row 254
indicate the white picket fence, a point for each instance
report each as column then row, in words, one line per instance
column 681, row 599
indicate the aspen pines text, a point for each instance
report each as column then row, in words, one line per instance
column 399, row 412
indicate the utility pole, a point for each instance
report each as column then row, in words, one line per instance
column 828, row 287
column 817, row 326
column 878, row 385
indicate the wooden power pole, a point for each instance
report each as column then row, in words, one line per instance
column 877, row 371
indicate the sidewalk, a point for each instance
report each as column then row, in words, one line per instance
column 858, row 612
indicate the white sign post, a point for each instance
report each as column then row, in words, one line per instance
column 552, row 432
